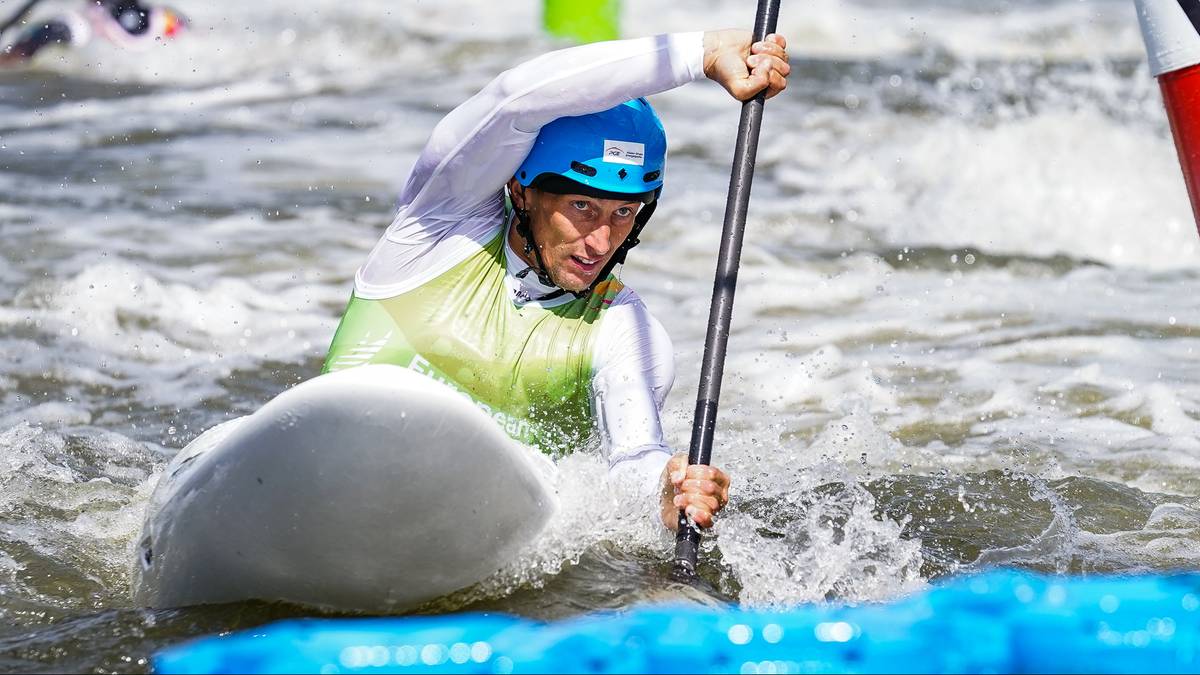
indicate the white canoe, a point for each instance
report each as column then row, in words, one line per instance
column 374, row 489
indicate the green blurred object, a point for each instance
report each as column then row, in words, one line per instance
column 583, row 20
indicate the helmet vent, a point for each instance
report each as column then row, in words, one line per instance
column 651, row 176
column 579, row 167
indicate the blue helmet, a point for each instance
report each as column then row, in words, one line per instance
column 617, row 152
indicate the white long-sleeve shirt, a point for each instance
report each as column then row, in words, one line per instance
column 452, row 203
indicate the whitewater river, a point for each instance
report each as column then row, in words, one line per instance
column 965, row 334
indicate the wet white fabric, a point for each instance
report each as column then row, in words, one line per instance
column 454, row 199
column 633, row 370
column 453, row 202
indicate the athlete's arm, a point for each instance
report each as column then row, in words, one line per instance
column 635, row 369
column 476, row 148
column 453, row 198
column 454, row 193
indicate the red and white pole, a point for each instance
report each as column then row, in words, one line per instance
column 1171, row 29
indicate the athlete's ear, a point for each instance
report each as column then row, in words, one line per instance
column 517, row 191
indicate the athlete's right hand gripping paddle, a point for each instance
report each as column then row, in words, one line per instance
column 687, row 539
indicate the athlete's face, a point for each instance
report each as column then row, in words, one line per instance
column 577, row 235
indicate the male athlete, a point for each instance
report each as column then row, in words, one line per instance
column 129, row 24
column 495, row 276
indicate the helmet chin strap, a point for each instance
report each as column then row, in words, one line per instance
column 526, row 231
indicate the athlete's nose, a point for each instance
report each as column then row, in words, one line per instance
column 598, row 242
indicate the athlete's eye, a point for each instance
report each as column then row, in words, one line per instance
column 624, row 212
column 580, row 205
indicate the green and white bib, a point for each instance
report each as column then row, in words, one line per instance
column 527, row 366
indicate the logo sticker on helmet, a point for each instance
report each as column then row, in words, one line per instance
column 624, row 152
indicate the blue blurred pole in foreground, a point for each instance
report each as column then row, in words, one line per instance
column 1006, row 622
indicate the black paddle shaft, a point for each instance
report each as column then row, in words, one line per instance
column 687, row 539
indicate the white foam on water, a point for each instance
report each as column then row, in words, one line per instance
column 263, row 42
column 75, row 499
column 842, row 28
column 358, row 41
column 860, row 558
column 54, row 413
column 1003, row 190
column 1166, row 540
column 838, row 548
column 25, row 456
column 162, row 336
column 592, row 511
column 1071, row 183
